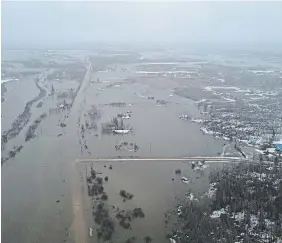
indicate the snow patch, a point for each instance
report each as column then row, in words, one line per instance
column 191, row 197
column 185, row 180
column 197, row 120
column 206, row 131
column 172, row 240
column 121, row 131
column 216, row 214
column 212, row 190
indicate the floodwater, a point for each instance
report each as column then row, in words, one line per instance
column 156, row 129
column 159, row 134
column 31, row 185
column 18, row 93
column 156, row 189
column 39, row 202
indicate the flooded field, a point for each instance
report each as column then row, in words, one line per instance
column 155, row 127
column 104, row 105
column 157, row 187
column 18, row 93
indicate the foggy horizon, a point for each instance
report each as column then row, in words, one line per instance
column 44, row 24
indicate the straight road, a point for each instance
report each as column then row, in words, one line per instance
column 200, row 158
column 41, row 189
column 207, row 160
column 78, row 227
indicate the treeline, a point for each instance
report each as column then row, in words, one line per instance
column 246, row 207
column 23, row 118
column 252, row 187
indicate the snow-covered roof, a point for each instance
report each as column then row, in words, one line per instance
column 271, row 150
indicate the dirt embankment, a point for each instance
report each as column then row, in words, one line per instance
column 194, row 93
column 19, row 123
column 3, row 90
column 23, row 118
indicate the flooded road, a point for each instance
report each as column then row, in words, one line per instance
column 37, row 186
column 156, row 188
column 43, row 192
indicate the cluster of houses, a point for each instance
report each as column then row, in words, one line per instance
column 253, row 122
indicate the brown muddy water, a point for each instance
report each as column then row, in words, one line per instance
column 18, row 93
column 156, row 188
column 42, row 198
column 156, row 129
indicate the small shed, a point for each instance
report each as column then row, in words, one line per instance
column 278, row 145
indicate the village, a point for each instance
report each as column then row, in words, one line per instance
column 253, row 120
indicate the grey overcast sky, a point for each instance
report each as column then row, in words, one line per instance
column 69, row 22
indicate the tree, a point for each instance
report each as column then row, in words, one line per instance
column 260, row 158
column 261, row 223
column 276, row 161
column 115, row 122
column 121, row 124
column 53, row 90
